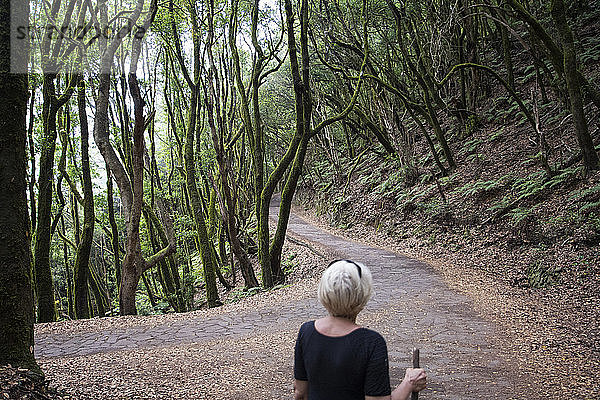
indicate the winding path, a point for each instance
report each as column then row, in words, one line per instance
column 412, row 306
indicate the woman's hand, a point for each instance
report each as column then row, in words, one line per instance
column 414, row 380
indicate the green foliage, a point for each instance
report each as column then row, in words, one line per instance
column 145, row 308
column 478, row 188
column 472, row 124
column 514, row 107
column 392, row 183
column 557, row 116
column 471, row 146
column 497, row 134
column 590, row 50
column 447, row 181
column 589, row 206
column 413, row 197
column 528, row 186
column 528, row 74
column 586, row 268
column 541, row 275
column 521, row 202
column 493, row 113
column 586, row 200
column 289, row 264
column 242, row 293
column 562, row 178
column 520, row 214
column 522, row 188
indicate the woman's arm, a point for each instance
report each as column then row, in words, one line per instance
column 414, row 380
column 300, row 390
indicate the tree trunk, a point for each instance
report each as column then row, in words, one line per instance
column 16, row 296
column 113, row 226
column 33, row 211
column 303, row 106
column 227, row 202
column 68, row 273
column 168, row 273
column 84, row 247
column 99, row 291
column 254, row 134
column 590, row 157
column 287, row 196
column 132, row 191
column 43, row 275
column 208, row 267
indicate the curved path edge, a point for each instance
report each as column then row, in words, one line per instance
column 411, row 307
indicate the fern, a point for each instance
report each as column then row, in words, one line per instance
column 589, row 206
column 500, row 205
column 477, row 187
column 392, row 183
column 426, row 178
column 447, row 180
column 496, row 135
column 541, row 276
column 520, row 214
column 580, row 195
column 471, row 145
column 529, row 186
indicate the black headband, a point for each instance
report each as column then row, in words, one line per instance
column 351, row 262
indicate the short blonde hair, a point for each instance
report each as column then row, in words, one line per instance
column 345, row 288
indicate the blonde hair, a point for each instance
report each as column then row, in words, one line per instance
column 345, row 288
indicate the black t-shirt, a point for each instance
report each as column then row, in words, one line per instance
column 347, row 367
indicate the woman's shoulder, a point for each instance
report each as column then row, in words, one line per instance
column 308, row 326
column 372, row 336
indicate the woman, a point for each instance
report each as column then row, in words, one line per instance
column 337, row 359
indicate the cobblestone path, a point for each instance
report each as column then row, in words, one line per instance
column 412, row 306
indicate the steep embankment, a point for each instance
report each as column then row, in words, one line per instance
column 524, row 244
column 552, row 332
column 525, row 248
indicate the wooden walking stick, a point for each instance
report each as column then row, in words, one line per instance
column 415, row 364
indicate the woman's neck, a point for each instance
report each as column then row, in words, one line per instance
column 344, row 319
column 336, row 326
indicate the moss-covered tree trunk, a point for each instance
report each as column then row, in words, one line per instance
column 254, row 132
column 208, row 267
column 114, row 240
column 430, row 94
column 16, row 295
column 46, row 308
column 227, row 198
column 52, row 103
column 132, row 190
column 268, row 274
column 590, row 157
column 167, row 269
column 84, row 247
column 303, row 122
column 303, row 105
column 285, row 208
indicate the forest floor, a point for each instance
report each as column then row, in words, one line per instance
column 552, row 332
column 244, row 350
